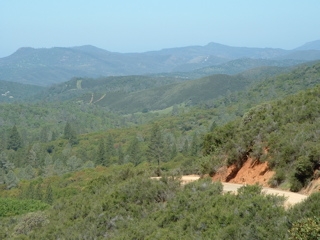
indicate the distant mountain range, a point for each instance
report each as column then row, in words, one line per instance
column 45, row 67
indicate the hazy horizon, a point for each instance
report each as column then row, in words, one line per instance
column 140, row 26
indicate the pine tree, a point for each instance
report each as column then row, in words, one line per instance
column 194, row 145
column 70, row 134
column 174, row 151
column 101, row 154
column 110, row 151
column 29, row 172
column 11, row 180
column 185, row 148
column 32, row 158
column 134, row 152
column 213, row 126
column 120, row 155
column 14, row 140
column 2, row 176
column 156, row 150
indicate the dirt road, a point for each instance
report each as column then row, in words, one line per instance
column 292, row 198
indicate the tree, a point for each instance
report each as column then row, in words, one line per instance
column 120, row 155
column 29, row 172
column 44, row 133
column 195, row 145
column 110, row 151
column 185, row 148
column 156, row 150
column 2, row 176
column 174, row 151
column 11, row 180
column 101, row 154
column 74, row 163
column 14, row 140
column 31, row 158
column 70, row 134
column 134, row 152
column 213, row 126
column 5, row 164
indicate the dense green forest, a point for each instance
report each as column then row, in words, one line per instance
column 76, row 165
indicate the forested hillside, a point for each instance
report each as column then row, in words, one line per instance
column 132, row 94
column 17, row 92
column 74, row 166
column 283, row 132
column 75, row 88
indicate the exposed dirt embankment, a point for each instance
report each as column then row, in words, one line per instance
column 251, row 172
column 313, row 186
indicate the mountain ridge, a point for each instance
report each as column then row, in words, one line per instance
column 47, row 66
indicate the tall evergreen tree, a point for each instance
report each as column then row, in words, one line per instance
column 101, row 154
column 110, row 150
column 174, row 151
column 194, row 145
column 11, row 180
column 2, row 176
column 31, row 158
column 29, row 172
column 134, row 152
column 120, row 155
column 185, row 148
column 156, row 150
column 70, row 134
column 14, row 140
column 213, row 126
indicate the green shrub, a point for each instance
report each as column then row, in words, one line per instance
column 306, row 228
column 303, row 169
column 30, row 222
column 278, row 178
column 11, row 207
column 295, row 184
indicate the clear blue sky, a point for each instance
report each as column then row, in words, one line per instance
column 143, row 25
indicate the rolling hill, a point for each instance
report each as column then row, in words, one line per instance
column 15, row 92
column 131, row 94
column 55, row 65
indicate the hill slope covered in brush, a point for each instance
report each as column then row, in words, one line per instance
column 283, row 132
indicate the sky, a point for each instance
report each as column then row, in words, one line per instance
column 146, row 25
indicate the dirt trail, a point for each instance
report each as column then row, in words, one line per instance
column 292, row 198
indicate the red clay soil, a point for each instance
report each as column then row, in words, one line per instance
column 251, row 172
